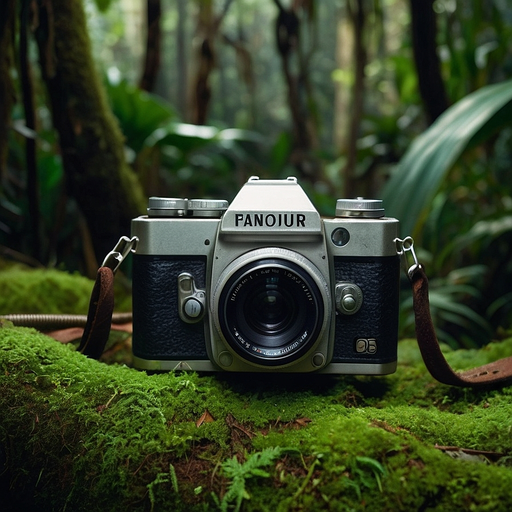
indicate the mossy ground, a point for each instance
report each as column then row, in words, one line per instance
column 77, row 434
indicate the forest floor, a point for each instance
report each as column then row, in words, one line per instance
column 79, row 434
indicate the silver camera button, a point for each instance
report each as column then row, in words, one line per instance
column 348, row 297
column 193, row 308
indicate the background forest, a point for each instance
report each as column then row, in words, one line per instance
column 105, row 102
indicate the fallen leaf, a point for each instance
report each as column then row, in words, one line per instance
column 66, row 335
column 206, row 417
column 234, row 425
column 75, row 333
column 302, row 422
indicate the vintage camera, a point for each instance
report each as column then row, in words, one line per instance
column 265, row 284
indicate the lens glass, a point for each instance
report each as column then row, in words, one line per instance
column 271, row 311
column 269, row 307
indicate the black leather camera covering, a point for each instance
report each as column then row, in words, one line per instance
column 160, row 334
column 158, row 331
column 377, row 319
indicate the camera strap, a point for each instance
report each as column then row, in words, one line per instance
column 99, row 316
column 101, row 307
column 493, row 373
column 496, row 372
column 101, row 303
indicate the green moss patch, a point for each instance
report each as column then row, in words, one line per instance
column 78, row 434
column 51, row 291
column 43, row 291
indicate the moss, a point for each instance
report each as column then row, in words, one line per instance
column 50, row 291
column 78, row 434
column 38, row 291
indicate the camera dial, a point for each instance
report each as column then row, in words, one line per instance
column 359, row 207
column 191, row 300
column 173, row 207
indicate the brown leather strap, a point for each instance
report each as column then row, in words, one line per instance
column 99, row 317
column 493, row 373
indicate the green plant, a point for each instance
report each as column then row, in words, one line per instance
column 450, row 191
column 163, row 478
column 420, row 172
column 365, row 472
column 239, row 473
column 138, row 112
column 176, row 158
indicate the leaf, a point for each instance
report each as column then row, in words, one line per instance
column 66, row 335
column 470, row 453
column 239, row 473
column 458, row 313
column 280, row 152
column 492, row 228
column 191, row 137
column 373, row 464
column 206, row 417
column 139, row 112
column 421, row 170
column 186, row 137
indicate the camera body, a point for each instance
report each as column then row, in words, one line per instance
column 265, row 284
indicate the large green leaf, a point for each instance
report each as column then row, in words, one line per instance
column 420, row 172
column 139, row 113
column 190, row 137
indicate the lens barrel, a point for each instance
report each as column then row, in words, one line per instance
column 271, row 311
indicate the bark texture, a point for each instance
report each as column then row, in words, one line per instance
column 92, row 147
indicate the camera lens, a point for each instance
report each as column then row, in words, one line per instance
column 271, row 311
column 270, row 308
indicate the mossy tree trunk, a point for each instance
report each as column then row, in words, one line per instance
column 97, row 176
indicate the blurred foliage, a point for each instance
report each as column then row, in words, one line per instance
column 59, row 218
column 174, row 156
column 451, row 190
column 422, row 169
column 450, row 183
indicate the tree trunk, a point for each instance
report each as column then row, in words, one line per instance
column 7, row 95
column 207, row 30
column 97, row 176
column 27, row 87
column 357, row 14
column 430, row 81
column 181, row 59
column 153, row 44
column 295, row 70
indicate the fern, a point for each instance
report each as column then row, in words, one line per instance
column 365, row 472
column 162, row 478
column 239, row 473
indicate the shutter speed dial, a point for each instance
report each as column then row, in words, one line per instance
column 349, row 298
